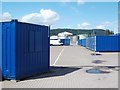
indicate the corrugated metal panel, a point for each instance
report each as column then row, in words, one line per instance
column 26, row 49
column 82, row 42
column 103, row 43
column 0, row 51
column 107, row 43
column 8, row 36
column 65, row 42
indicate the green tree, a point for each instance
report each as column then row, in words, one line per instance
column 109, row 32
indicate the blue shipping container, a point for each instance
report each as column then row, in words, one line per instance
column 82, row 42
column 103, row 43
column 107, row 43
column 65, row 42
column 25, row 49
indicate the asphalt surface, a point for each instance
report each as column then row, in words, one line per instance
column 68, row 70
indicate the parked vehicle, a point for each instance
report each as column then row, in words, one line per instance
column 56, row 42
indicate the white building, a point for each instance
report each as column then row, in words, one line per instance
column 64, row 35
column 82, row 36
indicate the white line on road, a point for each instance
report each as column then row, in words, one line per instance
column 59, row 55
column 0, row 85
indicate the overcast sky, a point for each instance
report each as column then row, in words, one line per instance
column 84, row 15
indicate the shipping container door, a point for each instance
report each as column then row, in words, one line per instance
column 0, row 51
column 32, row 49
column 8, row 51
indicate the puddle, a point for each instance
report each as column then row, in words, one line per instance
column 97, row 71
column 102, row 69
column 98, row 61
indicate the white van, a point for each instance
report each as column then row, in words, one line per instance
column 55, row 42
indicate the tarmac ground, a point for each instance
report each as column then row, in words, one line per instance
column 68, row 70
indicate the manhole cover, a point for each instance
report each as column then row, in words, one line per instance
column 96, row 71
column 98, row 61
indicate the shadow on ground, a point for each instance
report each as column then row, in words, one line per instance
column 54, row 72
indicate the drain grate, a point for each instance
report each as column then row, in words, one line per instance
column 98, row 61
